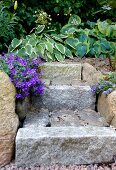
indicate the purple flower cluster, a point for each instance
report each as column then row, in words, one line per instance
column 104, row 87
column 23, row 74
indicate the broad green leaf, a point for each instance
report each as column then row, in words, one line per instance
column 59, row 56
column 56, row 37
column 95, row 50
column 33, row 54
column 43, row 45
column 105, row 45
column 82, row 49
column 63, row 36
column 49, row 46
column 15, row 43
column 32, row 41
column 48, row 55
column 102, row 26
column 28, row 49
column 74, row 20
column 60, row 48
column 66, row 28
column 21, row 52
column 82, row 37
column 39, row 49
column 68, row 53
column 72, row 42
column 40, row 28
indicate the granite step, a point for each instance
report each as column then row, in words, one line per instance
column 61, row 73
column 65, row 145
column 65, row 97
column 64, row 118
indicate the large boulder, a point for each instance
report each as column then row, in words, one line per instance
column 8, row 119
column 90, row 74
column 107, row 107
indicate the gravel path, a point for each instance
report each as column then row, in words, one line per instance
column 12, row 166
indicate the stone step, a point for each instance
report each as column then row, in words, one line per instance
column 61, row 73
column 64, row 118
column 68, row 97
column 65, row 145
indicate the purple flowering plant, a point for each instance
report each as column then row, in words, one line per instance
column 104, row 86
column 23, row 73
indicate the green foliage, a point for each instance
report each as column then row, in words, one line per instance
column 48, row 45
column 9, row 24
column 97, row 40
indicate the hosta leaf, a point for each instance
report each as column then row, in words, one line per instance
column 105, row 45
column 40, row 28
column 32, row 41
column 33, row 55
column 28, row 49
column 74, row 20
column 68, row 53
column 72, row 42
column 59, row 56
column 95, row 50
column 15, row 43
column 56, row 37
column 39, row 49
column 102, row 26
column 83, row 37
column 82, row 49
column 60, row 48
column 49, row 46
column 66, row 28
column 43, row 45
column 21, row 52
column 63, row 36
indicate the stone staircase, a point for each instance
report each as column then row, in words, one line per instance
column 63, row 126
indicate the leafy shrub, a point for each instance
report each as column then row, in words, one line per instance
column 105, row 86
column 23, row 74
column 41, row 42
column 97, row 39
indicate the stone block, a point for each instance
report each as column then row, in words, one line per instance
column 61, row 73
column 65, row 145
column 65, row 97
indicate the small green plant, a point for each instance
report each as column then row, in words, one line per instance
column 49, row 45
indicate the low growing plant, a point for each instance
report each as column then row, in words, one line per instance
column 105, row 86
column 23, row 74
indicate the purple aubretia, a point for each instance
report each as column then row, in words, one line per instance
column 23, row 74
column 104, row 87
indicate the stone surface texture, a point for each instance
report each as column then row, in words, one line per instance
column 90, row 74
column 66, row 145
column 67, row 97
column 107, row 107
column 76, row 118
column 61, row 73
column 37, row 119
column 8, row 119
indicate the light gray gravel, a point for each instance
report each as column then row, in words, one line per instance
column 112, row 166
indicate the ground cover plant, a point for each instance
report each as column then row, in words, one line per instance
column 23, row 74
column 106, row 85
